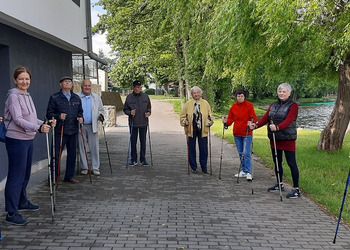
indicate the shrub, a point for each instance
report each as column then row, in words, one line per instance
column 150, row 91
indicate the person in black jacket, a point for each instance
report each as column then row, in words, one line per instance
column 66, row 107
column 138, row 107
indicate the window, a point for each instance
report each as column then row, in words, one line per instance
column 77, row 2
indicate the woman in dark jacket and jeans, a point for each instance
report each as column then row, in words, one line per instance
column 281, row 118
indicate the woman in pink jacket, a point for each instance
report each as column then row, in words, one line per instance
column 22, row 125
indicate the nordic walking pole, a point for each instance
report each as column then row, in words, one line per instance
column 252, row 162
column 210, row 138
column 222, row 147
column 243, row 153
column 60, row 154
column 188, row 145
column 149, row 141
column 86, row 154
column 78, row 161
column 53, row 165
column 50, row 177
column 277, row 167
column 252, row 148
column 342, row 207
column 132, row 126
column 109, row 159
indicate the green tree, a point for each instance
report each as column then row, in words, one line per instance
column 312, row 38
column 301, row 42
column 225, row 45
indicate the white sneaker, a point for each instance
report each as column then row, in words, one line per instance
column 241, row 174
column 96, row 172
column 249, row 177
column 84, row 172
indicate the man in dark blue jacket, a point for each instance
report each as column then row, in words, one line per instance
column 66, row 107
column 138, row 107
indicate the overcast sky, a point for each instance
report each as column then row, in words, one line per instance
column 98, row 41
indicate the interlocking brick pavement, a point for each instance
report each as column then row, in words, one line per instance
column 163, row 207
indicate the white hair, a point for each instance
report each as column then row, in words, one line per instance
column 196, row 88
column 285, row 86
column 82, row 82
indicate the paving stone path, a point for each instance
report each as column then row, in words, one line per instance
column 162, row 207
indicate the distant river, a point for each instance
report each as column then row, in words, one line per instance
column 314, row 117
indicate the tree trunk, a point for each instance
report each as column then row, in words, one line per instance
column 332, row 137
column 181, row 86
column 179, row 52
column 188, row 94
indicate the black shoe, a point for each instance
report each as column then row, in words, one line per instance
column 275, row 188
column 205, row 172
column 28, row 206
column 194, row 171
column 132, row 163
column 295, row 193
column 145, row 164
column 16, row 220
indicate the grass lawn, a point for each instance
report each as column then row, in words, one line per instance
column 323, row 175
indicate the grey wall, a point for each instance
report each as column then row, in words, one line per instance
column 47, row 64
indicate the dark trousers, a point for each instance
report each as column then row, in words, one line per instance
column 20, row 154
column 292, row 163
column 203, row 150
column 69, row 141
column 135, row 132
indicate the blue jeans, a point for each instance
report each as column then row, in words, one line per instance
column 135, row 132
column 203, row 151
column 247, row 157
column 20, row 153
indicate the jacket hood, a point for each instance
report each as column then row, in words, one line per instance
column 15, row 91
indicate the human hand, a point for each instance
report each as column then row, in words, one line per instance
column 147, row 114
column 101, row 118
column 53, row 122
column 251, row 125
column 63, row 116
column 45, row 128
column 209, row 123
column 133, row 112
column 0, row 119
column 80, row 120
column 273, row 127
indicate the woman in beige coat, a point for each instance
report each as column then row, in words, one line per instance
column 196, row 118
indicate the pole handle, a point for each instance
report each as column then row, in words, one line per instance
column 225, row 124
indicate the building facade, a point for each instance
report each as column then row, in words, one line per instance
column 41, row 35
